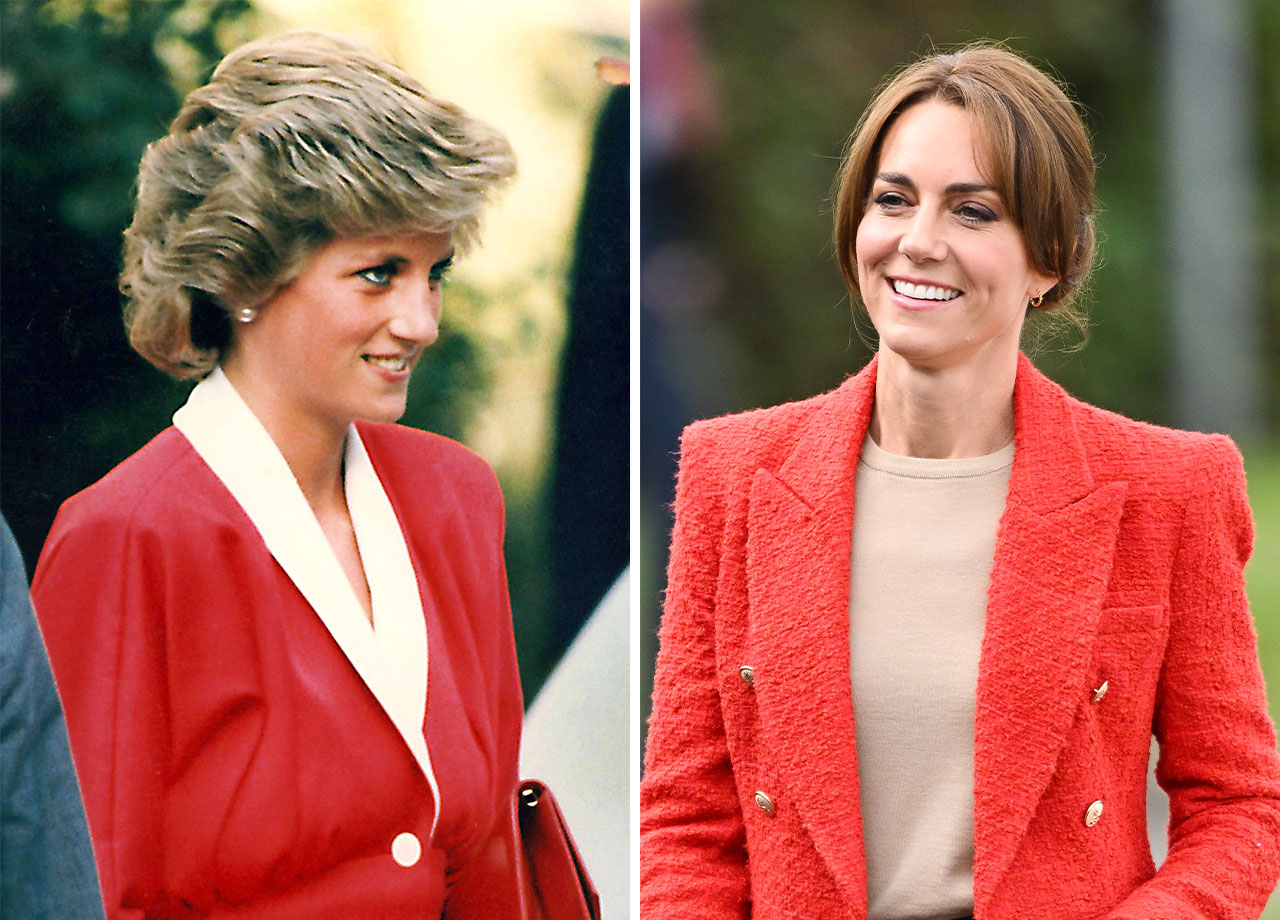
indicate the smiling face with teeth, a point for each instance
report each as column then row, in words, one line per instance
column 339, row 341
column 942, row 268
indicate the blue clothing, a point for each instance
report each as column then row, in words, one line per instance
column 46, row 861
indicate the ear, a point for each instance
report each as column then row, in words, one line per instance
column 1041, row 285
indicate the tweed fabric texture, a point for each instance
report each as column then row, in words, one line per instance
column 1119, row 557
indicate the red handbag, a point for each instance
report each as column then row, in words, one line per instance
column 556, row 884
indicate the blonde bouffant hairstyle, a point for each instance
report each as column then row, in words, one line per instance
column 294, row 141
column 1039, row 153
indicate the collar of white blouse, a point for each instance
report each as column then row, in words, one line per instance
column 390, row 654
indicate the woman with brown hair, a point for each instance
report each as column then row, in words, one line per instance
column 920, row 631
column 281, row 629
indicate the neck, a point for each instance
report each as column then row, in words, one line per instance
column 313, row 452
column 960, row 411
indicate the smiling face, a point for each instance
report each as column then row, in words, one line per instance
column 339, row 342
column 942, row 268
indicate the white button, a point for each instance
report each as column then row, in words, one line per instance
column 406, row 849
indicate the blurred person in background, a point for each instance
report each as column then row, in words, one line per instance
column 46, row 862
column 281, row 629
column 1013, row 591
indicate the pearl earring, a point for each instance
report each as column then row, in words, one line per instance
column 246, row 315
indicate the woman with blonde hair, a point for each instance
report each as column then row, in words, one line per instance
column 920, row 630
column 281, row 629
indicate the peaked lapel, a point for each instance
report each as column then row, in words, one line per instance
column 391, row 660
column 799, row 525
column 1053, row 560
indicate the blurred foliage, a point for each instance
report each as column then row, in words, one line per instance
column 1263, row 575
column 84, row 90
column 791, row 81
column 84, row 87
column 1266, row 39
column 1262, row 464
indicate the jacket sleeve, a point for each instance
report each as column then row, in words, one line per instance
column 1218, row 760
column 692, row 837
column 99, row 606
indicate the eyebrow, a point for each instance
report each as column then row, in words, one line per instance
column 442, row 263
column 955, row 188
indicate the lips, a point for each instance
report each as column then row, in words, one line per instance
column 393, row 363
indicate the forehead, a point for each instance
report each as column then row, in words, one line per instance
column 935, row 138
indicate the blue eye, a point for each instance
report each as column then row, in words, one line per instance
column 378, row 275
column 440, row 272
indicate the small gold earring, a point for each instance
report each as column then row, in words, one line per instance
column 1037, row 300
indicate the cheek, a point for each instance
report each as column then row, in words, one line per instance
column 870, row 246
column 1002, row 262
column 330, row 329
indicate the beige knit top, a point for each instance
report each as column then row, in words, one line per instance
column 924, row 534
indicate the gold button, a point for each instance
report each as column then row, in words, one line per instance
column 765, row 804
column 1100, row 692
column 1093, row 814
column 748, row 674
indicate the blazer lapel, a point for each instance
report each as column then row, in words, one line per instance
column 1052, row 564
column 799, row 525
column 398, row 674
column 393, row 661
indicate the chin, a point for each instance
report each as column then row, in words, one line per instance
column 916, row 346
column 384, row 412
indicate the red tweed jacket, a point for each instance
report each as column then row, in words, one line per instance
column 1118, row 559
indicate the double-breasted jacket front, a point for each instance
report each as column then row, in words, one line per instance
column 247, row 744
column 1119, row 559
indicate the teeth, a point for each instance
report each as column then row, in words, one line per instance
column 391, row 364
column 924, row 291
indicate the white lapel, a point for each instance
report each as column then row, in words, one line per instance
column 390, row 656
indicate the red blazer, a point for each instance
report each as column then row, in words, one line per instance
column 1118, row 558
column 233, row 763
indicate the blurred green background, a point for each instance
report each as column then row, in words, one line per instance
column 747, row 105
column 86, row 84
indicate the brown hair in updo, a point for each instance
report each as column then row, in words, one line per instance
column 1037, row 146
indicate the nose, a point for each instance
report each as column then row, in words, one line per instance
column 416, row 316
column 922, row 240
